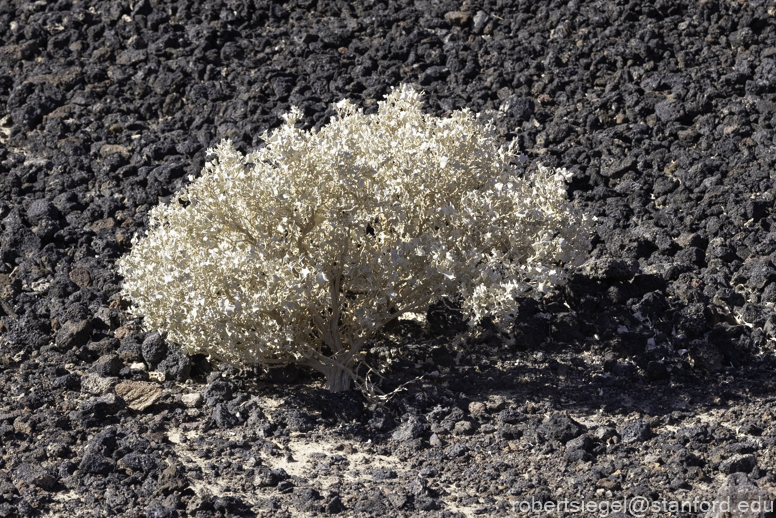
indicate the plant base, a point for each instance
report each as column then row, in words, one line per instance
column 337, row 380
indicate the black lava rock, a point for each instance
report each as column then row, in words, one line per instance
column 635, row 431
column 411, row 429
column 662, row 113
column 154, row 349
column 223, row 417
column 561, row 428
column 218, row 391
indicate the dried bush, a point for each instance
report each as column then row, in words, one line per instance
column 299, row 252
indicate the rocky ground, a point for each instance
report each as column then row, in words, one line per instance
column 649, row 375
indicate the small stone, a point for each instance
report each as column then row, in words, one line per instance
column 130, row 57
column 456, row 450
column 384, row 474
column 611, row 269
column 496, row 406
column 102, row 406
column 103, row 223
column 81, row 277
column 157, row 376
column 583, row 442
column 705, row 356
column 57, row 450
column 398, row 500
column 192, row 400
column 561, row 428
column 463, row 428
column 477, row 408
column 9, row 288
column 74, row 334
column 109, row 317
column 458, row 18
column 265, row 477
column 688, row 240
column 108, row 365
column 23, row 425
column 176, row 366
column 608, row 483
column 618, row 167
column 510, row 416
column 334, row 506
column 218, row 390
column 172, row 479
column 573, row 456
column 669, row 110
column 40, row 210
column 161, row 511
column 93, row 383
column 412, row 429
column 138, row 366
column 223, row 417
column 480, row 20
column 124, row 331
column 36, row 476
column 139, row 395
column 285, row 486
column 678, row 483
column 435, row 441
column 15, row 53
column 154, row 349
column 636, row 431
column 111, row 149
column 427, row 472
column 138, row 462
column 738, row 464
column 95, row 463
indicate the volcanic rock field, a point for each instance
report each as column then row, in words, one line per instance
column 648, row 377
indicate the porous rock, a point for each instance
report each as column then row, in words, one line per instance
column 139, row 395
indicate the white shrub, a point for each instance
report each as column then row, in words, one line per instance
column 302, row 250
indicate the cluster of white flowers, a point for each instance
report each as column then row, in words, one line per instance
column 300, row 251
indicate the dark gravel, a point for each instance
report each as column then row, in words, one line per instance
column 650, row 374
